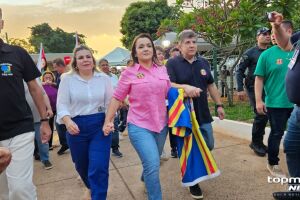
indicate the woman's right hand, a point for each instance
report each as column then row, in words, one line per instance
column 72, row 127
column 191, row 91
column 108, row 127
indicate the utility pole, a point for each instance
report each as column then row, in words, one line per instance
column 214, row 62
column 6, row 37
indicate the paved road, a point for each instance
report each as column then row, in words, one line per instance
column 243, row 175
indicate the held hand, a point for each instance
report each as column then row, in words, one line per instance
column 45, row 131
column 241, row 95
column 5, row 158
column 221, row 113
column 191, row 91
column 261, row 108
column 72, row 127
column 108, row 127
column 49, row 113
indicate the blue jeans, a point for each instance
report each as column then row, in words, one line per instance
column 292, row 143
column 278, row 118
column 90, row 151
column 207, row 133
column 149, row 146
column 43, row 148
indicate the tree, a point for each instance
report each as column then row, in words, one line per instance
column 54, row 40
column 229, row 25
column 143, row 17
column 287, row 7
column 22, row 43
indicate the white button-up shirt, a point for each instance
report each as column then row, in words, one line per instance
column 77, row 96
column 114, row 80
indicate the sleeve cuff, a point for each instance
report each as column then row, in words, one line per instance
column 60, row 115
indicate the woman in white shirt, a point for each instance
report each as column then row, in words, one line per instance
column 83, row 97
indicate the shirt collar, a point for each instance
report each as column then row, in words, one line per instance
column 95, row 74
column 137, row 66
column 5, row 47
column 181, row 58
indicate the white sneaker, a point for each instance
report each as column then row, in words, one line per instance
column 276, row 171
column 164, row 156
column 121, row 136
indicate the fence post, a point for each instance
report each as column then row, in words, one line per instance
column 214, row 62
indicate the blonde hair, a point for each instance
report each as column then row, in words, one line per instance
column 48, row 72
column 74, row 61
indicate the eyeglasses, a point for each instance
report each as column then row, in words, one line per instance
column 103, row 65
column 266, row 34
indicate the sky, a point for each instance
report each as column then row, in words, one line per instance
column 98, row 20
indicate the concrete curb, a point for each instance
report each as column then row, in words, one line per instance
column 237, row 129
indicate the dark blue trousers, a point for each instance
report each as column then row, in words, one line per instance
column 278, row 118
column 90, row 151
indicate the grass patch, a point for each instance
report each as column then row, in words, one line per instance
column 241, row 111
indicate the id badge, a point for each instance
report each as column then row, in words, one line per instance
column 294, row 59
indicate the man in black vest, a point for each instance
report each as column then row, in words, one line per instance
column 248, row 63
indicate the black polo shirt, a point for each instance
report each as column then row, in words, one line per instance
column 15, row 66
column 197, row 74
column 293, row 76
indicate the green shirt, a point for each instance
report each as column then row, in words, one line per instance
column 272, row 65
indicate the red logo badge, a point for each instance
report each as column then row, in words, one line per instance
column 279, row 62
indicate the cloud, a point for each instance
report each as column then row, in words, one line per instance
column 80, row 6
column 98, row 20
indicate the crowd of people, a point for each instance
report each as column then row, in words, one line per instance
column 89, row 105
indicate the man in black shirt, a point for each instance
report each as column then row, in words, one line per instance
column 193, row 75
column 16, row 121
column 248, row 63
column 60, row 68
column 292, row 138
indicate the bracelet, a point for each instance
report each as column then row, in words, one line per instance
column 44, row 120
column 219, row 105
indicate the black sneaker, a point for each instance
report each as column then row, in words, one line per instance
column 47, row 164
column 37, row 156
column 258, row 149
column 264, row 147
column 117, row 153
column 51, row 148
column 62, row 150
column 174, row 154
column 196, row 192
